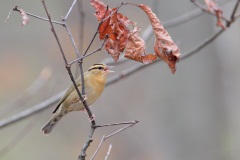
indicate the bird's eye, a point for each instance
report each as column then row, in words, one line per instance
column 100, row 68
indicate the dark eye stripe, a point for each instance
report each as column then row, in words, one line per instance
column 99, row 68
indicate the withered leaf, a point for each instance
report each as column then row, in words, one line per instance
column 164, row 46
column 135, row 48
column 213, row 7
column 115, row 27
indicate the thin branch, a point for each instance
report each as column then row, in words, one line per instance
column 109, row 150
column 81, row 58
column 98, row 148
column 70, row 9
column 35, row 16
column 19, row 136
column 130, row 124
column 206, row 10
column 203, row 44
column 233, row 16
column 235, row 10
column 72, row 40
column 31, row 111
column 81, row 29
column 29, row 93
column 116, row 124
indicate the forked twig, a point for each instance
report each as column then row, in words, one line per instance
column 104, row 138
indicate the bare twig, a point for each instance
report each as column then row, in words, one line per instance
column 233, row 15
column 19, row 136
column 33, row 15
column 70, row 9
column 98, row 148
column 206, row 10
column 116, row 124
column 130, row 124
column 97, row 50
column 109, row 150
column 30, row 92
column 31, row 111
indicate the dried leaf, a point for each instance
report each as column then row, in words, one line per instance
column 164, row 46
column 135, row 48
column 115, row 27
column 213, row 7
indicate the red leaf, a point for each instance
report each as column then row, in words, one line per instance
column 164, row 46
column 135, row 48
column 115, row 27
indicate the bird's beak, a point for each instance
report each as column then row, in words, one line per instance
column 108, row 69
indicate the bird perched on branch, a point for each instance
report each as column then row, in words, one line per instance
column 94, row 80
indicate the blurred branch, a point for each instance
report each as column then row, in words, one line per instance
column 30, row 92
column 19, row 136
column 32, row 110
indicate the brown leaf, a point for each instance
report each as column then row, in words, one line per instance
column 213, row 7
column 115, row 27
column 164, row 46
column 135, row 48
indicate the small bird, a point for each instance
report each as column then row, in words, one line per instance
column 94, row 80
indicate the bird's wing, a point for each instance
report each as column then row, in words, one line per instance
column 69, row 91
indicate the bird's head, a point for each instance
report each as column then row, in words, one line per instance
column 99, row 69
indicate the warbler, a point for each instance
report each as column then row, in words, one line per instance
column 94, row 81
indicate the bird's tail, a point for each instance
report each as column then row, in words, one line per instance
column 47, row 128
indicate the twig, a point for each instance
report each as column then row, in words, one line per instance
column 235, row 10
column 116, row 124
column 97, row 50
column 30, row 92
column 33, row 15
column 31, row 111
column 98, row 148
column 130, row 124
column 109, row 150
column 70, row 9
column 233, row 16
column 19, row 136
column 206, row 10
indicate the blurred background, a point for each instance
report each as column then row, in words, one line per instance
column 191, row 115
